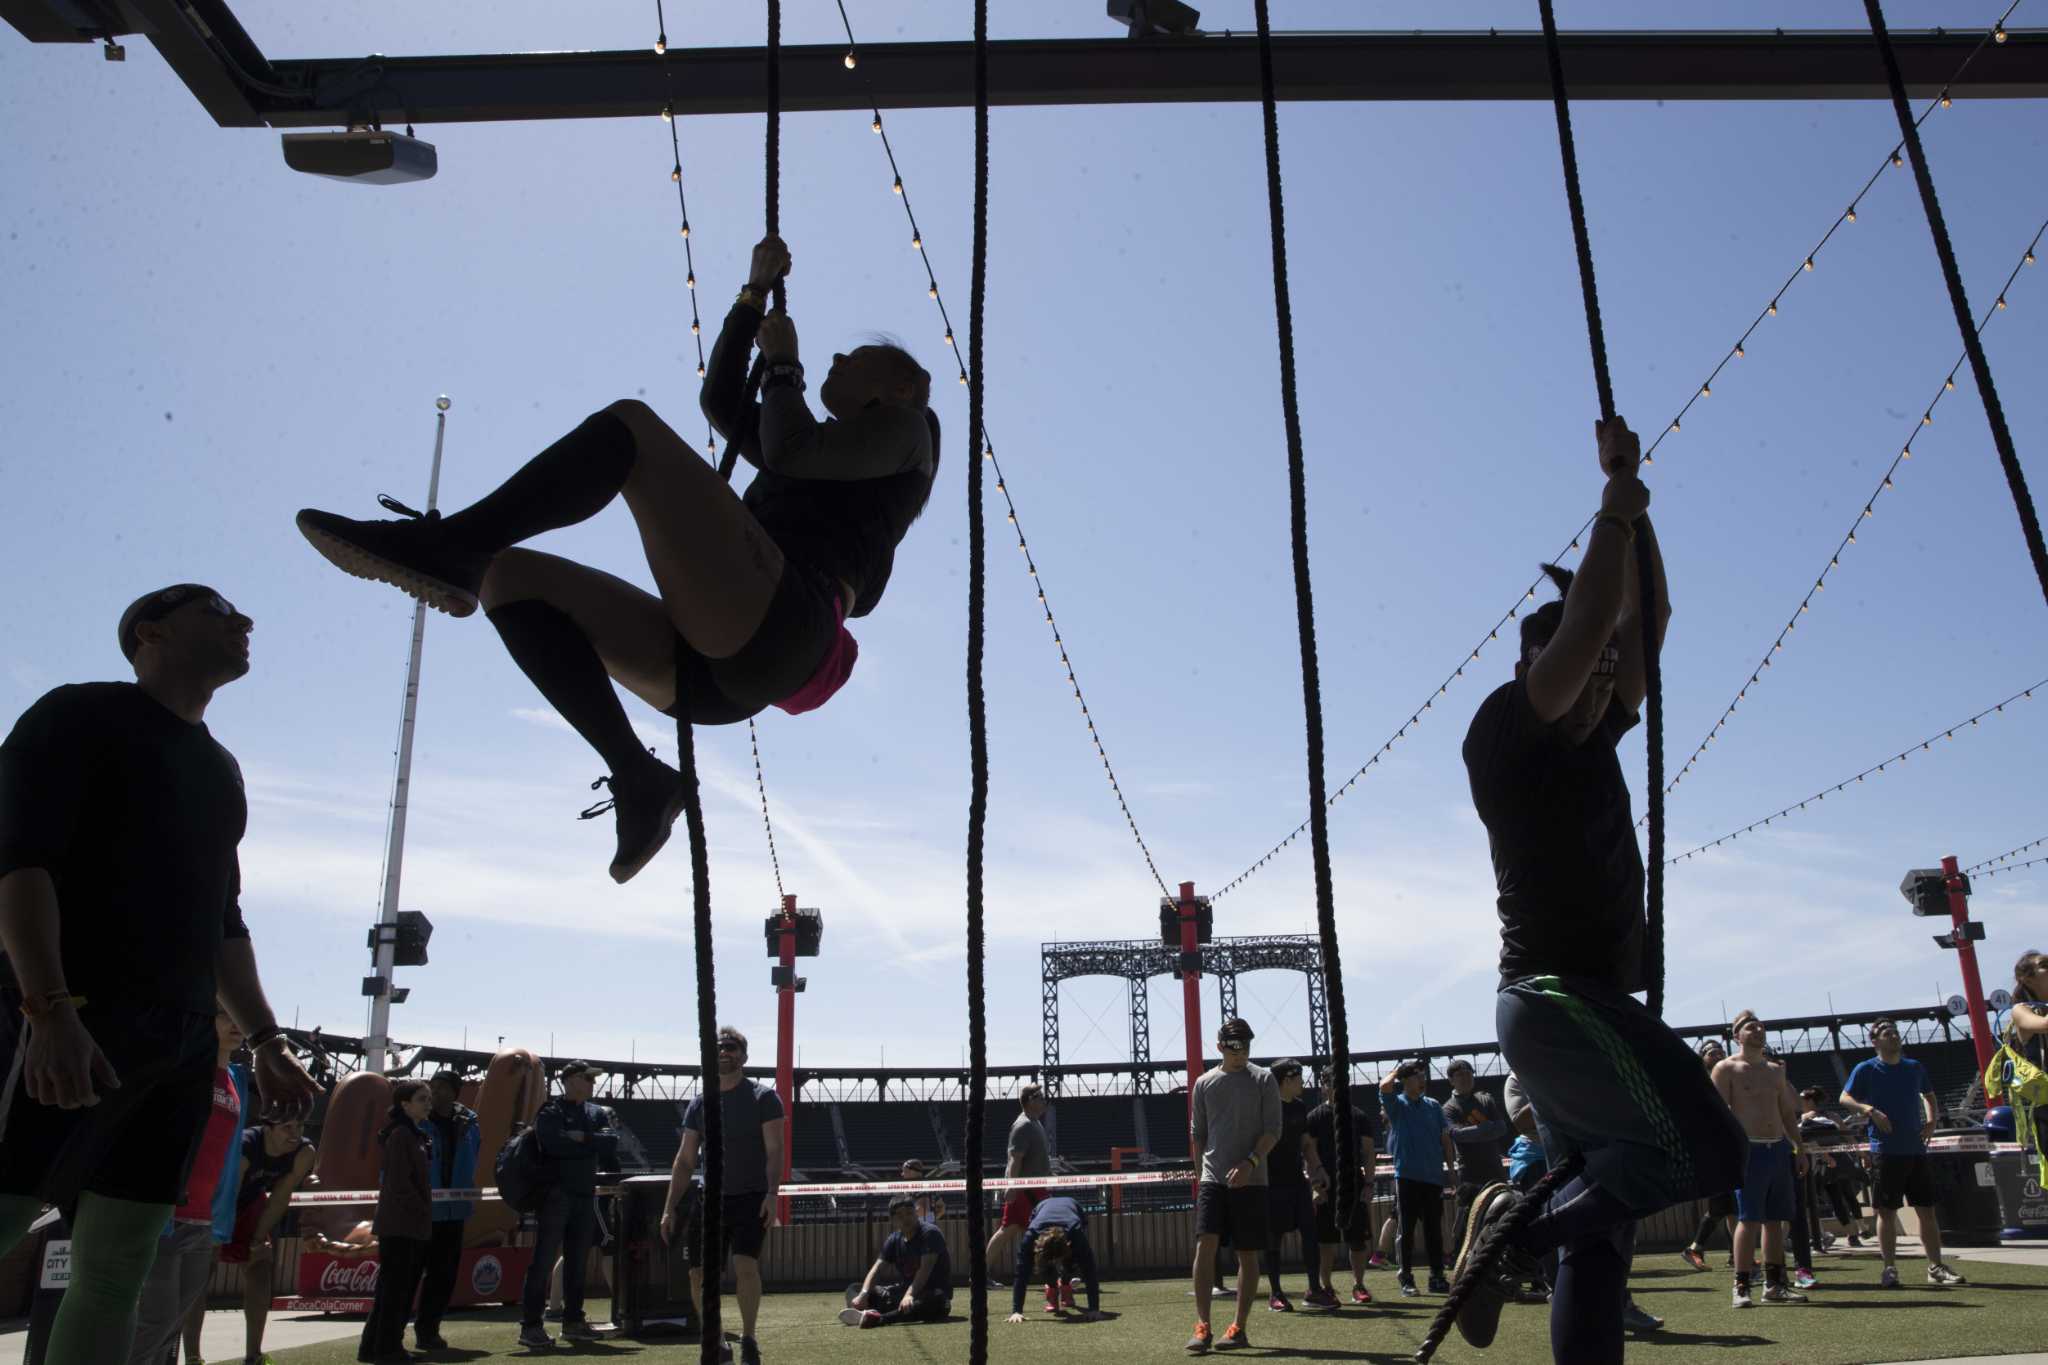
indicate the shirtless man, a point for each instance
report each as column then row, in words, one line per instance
column 1762, row 1099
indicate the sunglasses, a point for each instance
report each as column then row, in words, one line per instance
column 727, row 1045
column 1233, row 1046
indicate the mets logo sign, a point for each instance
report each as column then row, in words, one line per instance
column 485, row 1276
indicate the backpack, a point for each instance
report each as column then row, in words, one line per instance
column 524, row 1173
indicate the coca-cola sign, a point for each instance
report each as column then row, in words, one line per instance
column 349, row 1277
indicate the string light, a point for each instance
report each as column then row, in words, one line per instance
column 1824, row 793
column 1737, row 352
column 1002, row 482
column 1885, row 485
column 2031, row 862
column 2009, row 853
column 767, row 826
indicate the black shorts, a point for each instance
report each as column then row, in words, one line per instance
column 138, row 1142
column 1240, row 1217
column 741, row 1229
column 801, row 624
column 1350, row 1231
column 1904, row 1180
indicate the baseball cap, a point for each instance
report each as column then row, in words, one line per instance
column 580, row 1069
column 154, row 606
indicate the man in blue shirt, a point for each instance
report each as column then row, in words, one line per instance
column 1893, row 1092
column 922, row 1290
column 1419, row 1139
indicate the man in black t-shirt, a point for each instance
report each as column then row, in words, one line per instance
column 1290, row 1205
column 1616, row 1092
column 920, row 1269
column 1352, row 1227
column 121, row 921
column 1479, row 1126
column 752, row 1119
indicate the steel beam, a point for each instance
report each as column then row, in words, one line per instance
column 1375, row 66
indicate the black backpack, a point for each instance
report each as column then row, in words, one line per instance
column 524, row 1173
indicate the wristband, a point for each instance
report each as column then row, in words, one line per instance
column 1254, row 1159
column 783, row 372
column 751, row 297
column 35, row 1007
column 1621, row 524
column 263, row 1037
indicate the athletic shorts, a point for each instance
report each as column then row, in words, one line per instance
column 741, row 1229
column 1613, row 1085
column 1904, row 1180
column 1017, row 1209
column 1766, row 1193
column 138, row 1142
column 1351, row 1231
column 1240, row 1216
column 236, row 1252
column 802, row 636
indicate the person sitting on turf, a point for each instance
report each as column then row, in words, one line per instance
column 754, row 591
column 1057, row 1239
column 922, row 1290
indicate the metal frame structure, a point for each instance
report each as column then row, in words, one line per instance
column 1138, row 960
column 239, row 86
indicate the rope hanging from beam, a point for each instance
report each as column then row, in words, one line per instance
column 1305, row 621
column 2001, row 436
column 977, row 719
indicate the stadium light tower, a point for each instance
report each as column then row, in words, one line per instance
column 1187, row 923
column 791, row 934
column 1946, row 890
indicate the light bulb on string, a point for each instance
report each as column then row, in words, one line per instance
column 931, row 291
column 877, row 124
column 661, row 45
column 1773, row 309
column 675, row 176
column 1998, row 34
column 1809, row 263
column 1946, row 102
column 849, row 59
column 1739, row 352
column 898, row 186
column 1897, row 159
column 1852, row 213
column 917, row 241
column 668, row 115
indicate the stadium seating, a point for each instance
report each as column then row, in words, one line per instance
column 880, row 1136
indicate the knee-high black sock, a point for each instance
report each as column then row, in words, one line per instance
column 551, row 650
column 570, row 481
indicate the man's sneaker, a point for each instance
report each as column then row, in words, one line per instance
column 1377, row 1262
column 870, row 1318
column 1439, row 1285
column 1741, row 1299
column 1937, row 1273
column 1802, row 1278
column 1636, row 1319
column 413, row 555
column 533, row 1334
column 1408, row 1289
column 750, row 1351
column 644, row 804
column 1479, row 1316
column 1889, row 1279
column 1782, row 1293
column 1360, row 1294
column 1855, row 1241
column 1066, row 1293
column 1279, row 1304
column 852, row 1316
column 1319, row 1298
column 1199, row 1343
column 579, row 1330
column 1233, row 1338
column 425, row 1341
column 1692, row 1257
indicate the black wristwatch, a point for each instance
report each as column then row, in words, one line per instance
column 782, row 372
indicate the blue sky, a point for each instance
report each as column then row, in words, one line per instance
column 203, row 342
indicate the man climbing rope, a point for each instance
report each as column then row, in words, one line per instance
column 754, row 590
column 1629, row 1118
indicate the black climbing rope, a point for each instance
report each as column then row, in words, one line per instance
column 977, row 717
column 712, row 1152
column 1305, row 619
column 771, row 202
column 2001, row 436
column 1646, row 578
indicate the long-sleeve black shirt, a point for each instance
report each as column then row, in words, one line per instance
column 136, row 814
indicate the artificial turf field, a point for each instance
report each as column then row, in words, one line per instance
column 1850, row 1319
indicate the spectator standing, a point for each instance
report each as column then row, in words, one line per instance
column 1479, row 1127
column 121, row 923
column 1057, row 1241
column 1352, row 1227
column 1761, row 1100
column 454, row 1141
column 404, row 1223
column 1419, row 1138
column 573, row 1135
column 920, row 1289
column 752, row 1117
column 1234, row 1119
column 277, row 1162
column 1290, row 1202
column 1720, row 1207
column 184, row 1255
column 1894, row 1092
column 1832, row 1170
column 1029, row 1156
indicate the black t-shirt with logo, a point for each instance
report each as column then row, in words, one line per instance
column 1565, row 860
column 136, row 815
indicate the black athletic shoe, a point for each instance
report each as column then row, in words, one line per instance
column 750, row 1351
column 1479, row 1316
column 413, row 555
column 645, row 806
column 428, row 1341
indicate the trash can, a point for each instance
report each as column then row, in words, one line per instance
column 1965, row 1189
column 2022, row 1205
column 650, row 1284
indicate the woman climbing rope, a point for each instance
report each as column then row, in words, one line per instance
column 754, row 590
